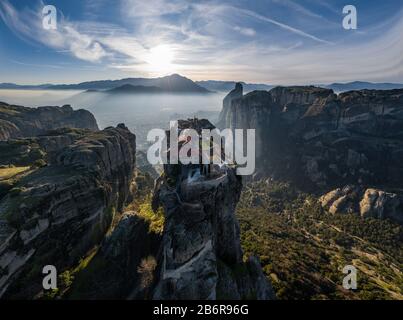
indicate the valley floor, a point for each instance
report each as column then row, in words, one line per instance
column 303, row 249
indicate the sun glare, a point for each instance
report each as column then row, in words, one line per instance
column 160, row 59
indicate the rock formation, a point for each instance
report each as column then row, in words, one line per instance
column 201, row 252
column 320, row 140
column 237, row 93
column 368, row 202
column 55, row 213
column 18, row 121
column 8, row 130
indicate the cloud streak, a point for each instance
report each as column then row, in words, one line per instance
column 283, row 26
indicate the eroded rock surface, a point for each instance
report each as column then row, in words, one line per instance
column 56, row 213
column 18, row 121
column 321, row 140
column 367, row 202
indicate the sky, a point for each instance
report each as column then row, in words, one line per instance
column 264, row 41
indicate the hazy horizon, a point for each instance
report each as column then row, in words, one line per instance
column 219, row 80
column 137, row 111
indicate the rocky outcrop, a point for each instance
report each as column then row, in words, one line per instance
column 201, row 252
column 56, row 213
column 320, row 140
column 237, row 93
column 8, row 130
column 25, row 151
column 18, row 121
column 367, row 202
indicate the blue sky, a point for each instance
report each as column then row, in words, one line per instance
column 270, row 41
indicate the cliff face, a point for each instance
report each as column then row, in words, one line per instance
column 56, row 213
column 237, row 93
column 321, row 141
column 123, row 266
column 318, row 139
column 18, row 121
column 201, row 251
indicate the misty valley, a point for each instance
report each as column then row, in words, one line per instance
column 141, row 114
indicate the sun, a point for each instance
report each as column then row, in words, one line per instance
column 160, row 58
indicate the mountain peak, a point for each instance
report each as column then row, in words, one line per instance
column 177, row 75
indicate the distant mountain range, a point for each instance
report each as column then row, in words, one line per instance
column 225, row 86
column 128, row 88
column 6, row 85
column 176, row 83
column 173, row 83
column 360, row 85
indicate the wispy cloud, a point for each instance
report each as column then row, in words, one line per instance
column 245, row 31
column 92, row 41
column 28, row 25
column 221, row 40
column 299, row 8
column 53, row 66
column 140, row 8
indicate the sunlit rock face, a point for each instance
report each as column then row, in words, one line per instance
column 320, row 140
column 18, row 121
column 201, row 253
column 368, row 203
